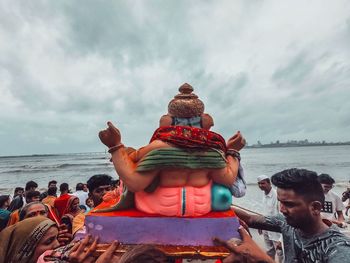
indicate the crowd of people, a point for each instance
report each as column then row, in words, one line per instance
column 302, row 220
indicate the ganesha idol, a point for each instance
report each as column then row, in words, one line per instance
column 177, row 190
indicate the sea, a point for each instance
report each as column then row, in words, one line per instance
column 79, row 167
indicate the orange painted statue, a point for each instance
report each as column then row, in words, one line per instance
column 185, row 171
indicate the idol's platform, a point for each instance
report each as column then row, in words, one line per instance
column 135, row 227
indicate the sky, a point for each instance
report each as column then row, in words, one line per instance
column 275, row 70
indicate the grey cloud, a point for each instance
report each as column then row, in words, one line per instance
column 147, row 32
column 70, row 67
column 295, row 71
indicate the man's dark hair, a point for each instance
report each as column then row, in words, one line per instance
column 52, row 191
column 31, row 184
column 303, row 182
column 16, row 203
column 3, row 199
column 17, row 189
column 64, row 187
column 51, row 182
column 98, row 180
column 79, row 187
column 31, row 194
column 325, row 179
column 24, row 210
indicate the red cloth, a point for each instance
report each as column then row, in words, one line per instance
column 52, row 215
column 61, row 203
column 190, row 137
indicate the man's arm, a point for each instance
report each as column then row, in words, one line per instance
column 255, row 220
column 340, row 216
column 339, row 209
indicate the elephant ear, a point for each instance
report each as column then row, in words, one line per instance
column 165, row 120
column 207, row 121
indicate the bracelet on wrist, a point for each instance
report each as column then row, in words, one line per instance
column 115, row 148
column 234, row 153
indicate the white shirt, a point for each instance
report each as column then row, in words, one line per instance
column 82, row 196
column 271, row 208
column 332, row 203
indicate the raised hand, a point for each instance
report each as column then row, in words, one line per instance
column 82, row 252
column 236, row 142
column 110, row 136
column 64, row 236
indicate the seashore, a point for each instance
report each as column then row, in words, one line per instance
column 179, row 157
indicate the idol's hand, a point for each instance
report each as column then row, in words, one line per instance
column 110, row 136
column 236, row 142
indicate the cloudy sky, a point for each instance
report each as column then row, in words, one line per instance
column 273, row 70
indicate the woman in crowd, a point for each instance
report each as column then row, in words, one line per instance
column 72, row 207
column 25, row 241
column 32, row 239
column 72, row 211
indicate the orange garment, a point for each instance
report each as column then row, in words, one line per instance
column 49, row 200
column 14, row 218
column 78, row 222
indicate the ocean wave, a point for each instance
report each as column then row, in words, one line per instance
column 337, row 184
column 41, row 168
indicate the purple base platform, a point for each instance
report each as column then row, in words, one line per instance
column 162, row 230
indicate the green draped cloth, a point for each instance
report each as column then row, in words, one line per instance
column 170, row 158
column 182, row 158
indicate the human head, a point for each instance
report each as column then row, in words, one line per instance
column 4, row 201
column 89, row 202
column 31, row 186
column 64, row 188
column 144, row 253
column 264, row 183
column 18, row 191
column 33, row 209
column 25, row 241
column 32, row 196
column 72, row 205
column 79, row 187
column 52, row 191
column 98, row 185
column 52, row 183
column 85, row 189
column 326, row 181
column 82, row 208
column 300, row 195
